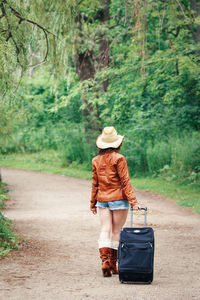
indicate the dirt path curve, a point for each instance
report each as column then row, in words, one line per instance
column 60, row 260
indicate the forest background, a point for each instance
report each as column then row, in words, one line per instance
column 69, row 68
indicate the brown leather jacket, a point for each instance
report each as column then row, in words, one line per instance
column 110, row 180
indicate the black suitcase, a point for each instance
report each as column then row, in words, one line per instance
column 136, row 253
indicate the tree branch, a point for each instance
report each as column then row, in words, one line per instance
column 46, row 54
column 21, row 19
column 19, row 16
column 177, row 1
column 174, row 34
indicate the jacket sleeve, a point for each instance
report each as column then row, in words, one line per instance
column 94, row 186
column 122, row 168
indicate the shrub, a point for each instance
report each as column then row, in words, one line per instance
column 186, row 156
column 158, row 156
column 8, row 239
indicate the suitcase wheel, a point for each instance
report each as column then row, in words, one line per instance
column 121, row 281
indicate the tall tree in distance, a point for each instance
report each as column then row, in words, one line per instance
column 195, row 7
column 88, row 63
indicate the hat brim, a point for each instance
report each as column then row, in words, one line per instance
column 102, row 145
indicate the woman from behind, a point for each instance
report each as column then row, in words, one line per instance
column 112, row 194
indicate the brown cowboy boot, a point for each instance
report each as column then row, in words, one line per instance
column 105, row 256
column 113, row 261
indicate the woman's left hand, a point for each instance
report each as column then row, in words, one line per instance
column 94, row 210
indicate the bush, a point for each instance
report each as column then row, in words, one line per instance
column 179, row 158
column 8, row 239
column 158, row 156
column 186, row 156
column 74, row 147
column 176, row 156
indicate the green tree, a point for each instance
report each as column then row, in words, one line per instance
column 135, row 60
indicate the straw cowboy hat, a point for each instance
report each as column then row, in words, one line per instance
column 109, row 138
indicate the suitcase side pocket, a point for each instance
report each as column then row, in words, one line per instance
column 136, row 256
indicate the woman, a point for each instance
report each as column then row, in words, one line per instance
column 111, row 193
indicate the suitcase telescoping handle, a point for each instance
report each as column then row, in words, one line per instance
column 145, row 216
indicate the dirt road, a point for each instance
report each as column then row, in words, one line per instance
column 60, row 260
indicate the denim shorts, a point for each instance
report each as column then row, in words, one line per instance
column 113, row 205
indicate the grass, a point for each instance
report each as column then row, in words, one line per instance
column 51, row 162
column 184, row 195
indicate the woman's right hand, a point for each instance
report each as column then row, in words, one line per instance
column 94, row 210
column 134, row 204
column 136, row 207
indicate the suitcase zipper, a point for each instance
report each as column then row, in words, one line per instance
column 149, row 243
column 136, row 242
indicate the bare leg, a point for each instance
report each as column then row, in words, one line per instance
column 105, row 216
column 118, row 220
column 104, row 240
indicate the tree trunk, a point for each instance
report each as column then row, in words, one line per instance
column 195, row 32
column 85, row 68
column 104, row 44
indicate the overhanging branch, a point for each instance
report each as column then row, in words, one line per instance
column 22, row 19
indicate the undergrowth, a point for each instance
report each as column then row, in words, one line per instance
column 8, row 238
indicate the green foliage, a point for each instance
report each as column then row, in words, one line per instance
column 158, row 156
column 186, row 158
column 31, row 124
column 75, row 148
column 8, row 239
column 177, row 158
column 3, row 195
